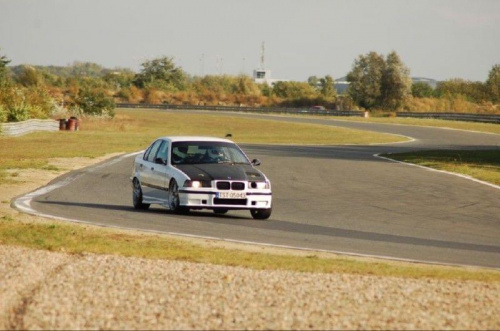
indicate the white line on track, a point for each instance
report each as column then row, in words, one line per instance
column 436, row 170
column 23, row 204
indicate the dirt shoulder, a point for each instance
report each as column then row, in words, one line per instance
column 56, row 290
column 47, row 290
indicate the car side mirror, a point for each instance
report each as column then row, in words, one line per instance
column 159, row 160
column 256, row 162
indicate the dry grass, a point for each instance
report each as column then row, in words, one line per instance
column 482, row 165
column 134, row 130
column 454, row 104
column 75, row 239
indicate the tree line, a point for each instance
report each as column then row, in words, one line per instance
column 376, row 82
column 385, row 84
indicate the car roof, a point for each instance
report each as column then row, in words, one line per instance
column 194, row 138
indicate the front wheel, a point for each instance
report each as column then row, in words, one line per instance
column 174, row 200
column 137, row 195
column 261, row 214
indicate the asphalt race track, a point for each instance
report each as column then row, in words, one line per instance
column 335, row 198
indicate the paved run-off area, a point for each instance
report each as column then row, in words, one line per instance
column 47, row 290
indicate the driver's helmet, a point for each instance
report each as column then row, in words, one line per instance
column 183, row 149
column 217, row 152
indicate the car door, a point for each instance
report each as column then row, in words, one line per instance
column 147, row 169
column 160, row 176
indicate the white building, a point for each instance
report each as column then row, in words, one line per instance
column 262, row 75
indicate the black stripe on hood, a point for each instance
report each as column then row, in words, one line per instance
column 221, row 171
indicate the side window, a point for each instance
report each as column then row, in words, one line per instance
column 163, row 151
column 146, row 153
column 153, row 150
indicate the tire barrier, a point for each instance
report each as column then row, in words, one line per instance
column 21, row 128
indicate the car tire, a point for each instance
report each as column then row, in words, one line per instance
column 261, row 214
column 174, row 200
column 137, row 195
column 220, row 211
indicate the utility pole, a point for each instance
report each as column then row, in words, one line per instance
column 202, row 64
column 262, row 50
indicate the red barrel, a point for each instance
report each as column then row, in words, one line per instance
column 71, row 125
column 77, row 122
column 62, row 124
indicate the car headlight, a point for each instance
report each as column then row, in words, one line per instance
column 197, row 183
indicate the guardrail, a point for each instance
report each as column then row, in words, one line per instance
column 25, row 127
column 276, row 110
column 265, row 110
column 454, row 117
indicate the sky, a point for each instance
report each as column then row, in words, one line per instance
column 439, row 39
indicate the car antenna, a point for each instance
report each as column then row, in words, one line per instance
column 228, row 135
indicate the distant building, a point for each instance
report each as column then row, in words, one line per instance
column 429, row 81
column 341, row 85
column 263, row 75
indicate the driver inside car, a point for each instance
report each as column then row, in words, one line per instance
column 179, row 154
column 217, row 154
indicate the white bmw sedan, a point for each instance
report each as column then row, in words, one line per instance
column 183, row 173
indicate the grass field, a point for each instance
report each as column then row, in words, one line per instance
column 133, row 130
column 482, row 165
column 470, row 126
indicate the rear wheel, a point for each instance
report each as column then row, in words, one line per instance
column 261, row 214
column 137, row 195
column 174, row 200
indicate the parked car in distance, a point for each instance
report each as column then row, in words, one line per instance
column 317, row 108
column 190, row 173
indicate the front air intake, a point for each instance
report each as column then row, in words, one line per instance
column 223, row 185
column 238, row 186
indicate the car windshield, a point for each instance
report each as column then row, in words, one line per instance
column 203, row 152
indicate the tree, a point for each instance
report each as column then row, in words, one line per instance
column 29, row 76
column 161, row 73
column 472, row 91
column 365, row 80
column 86, row 69
column 94, row 103
column 378, row 82
column 119, row 79
column 3, row 70
column 396, row 82
column 245, row 85
column 313, row 81
column 493, row 83
column 327, row 88
column 294, row 90
column 422, row 90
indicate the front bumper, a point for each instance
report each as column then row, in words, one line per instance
column 210, row 199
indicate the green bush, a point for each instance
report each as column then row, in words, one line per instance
column 3, row 114
column 94, row 103
column 18, row 113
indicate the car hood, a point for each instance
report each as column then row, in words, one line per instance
column 223, row 171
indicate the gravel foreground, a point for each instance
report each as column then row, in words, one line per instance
column 47, row 290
